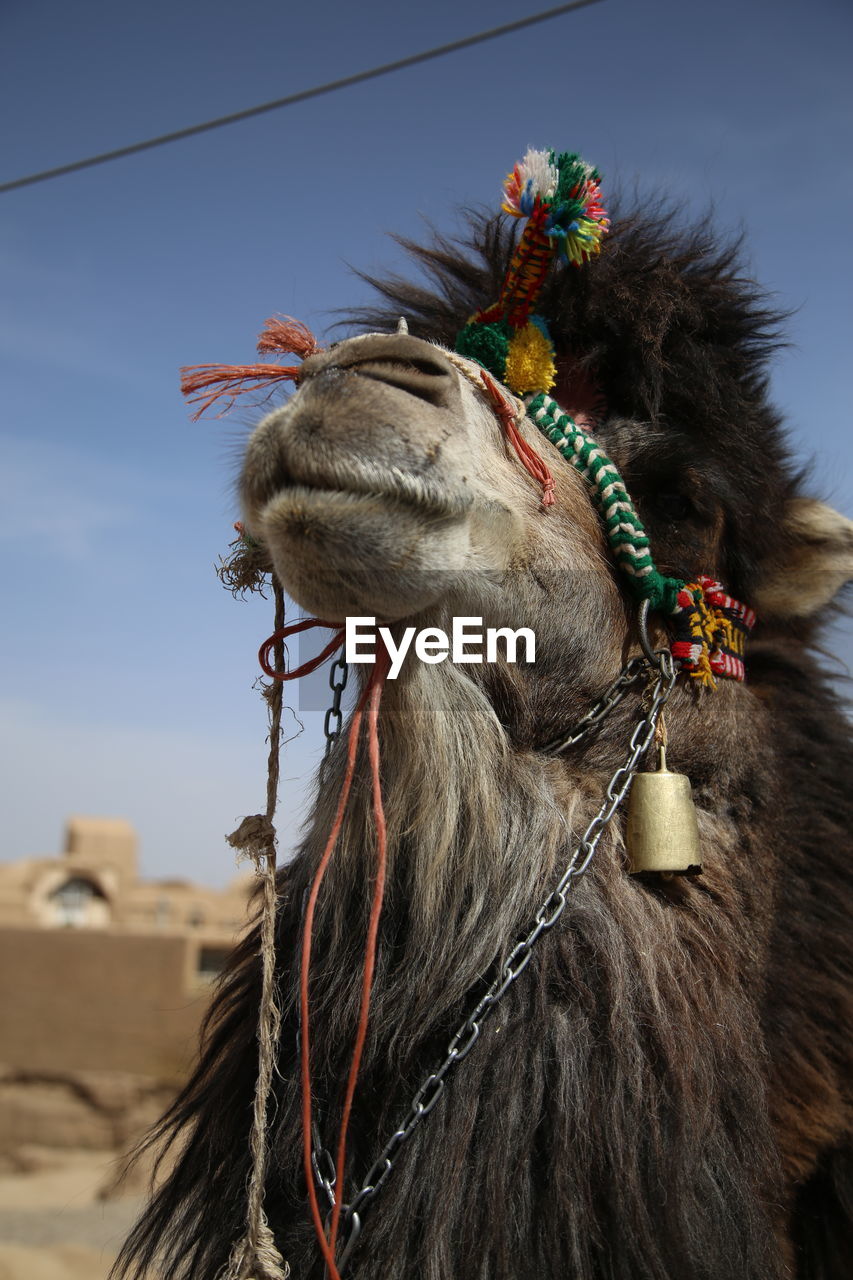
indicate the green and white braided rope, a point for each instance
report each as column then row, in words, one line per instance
column 626, row 535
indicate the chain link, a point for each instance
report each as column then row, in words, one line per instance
column 612, row 696
column 663, row 676
column 322, row 1161
column 323, row 1165
column 333, row 722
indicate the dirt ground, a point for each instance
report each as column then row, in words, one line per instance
column 54, row 1225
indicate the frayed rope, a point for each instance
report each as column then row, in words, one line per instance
column 204, row 384
column 255, row 1256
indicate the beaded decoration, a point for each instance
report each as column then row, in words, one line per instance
column 560, row 196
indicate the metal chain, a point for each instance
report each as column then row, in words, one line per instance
column 334, row 719
column 633, row 670
column 612, row 696
column 516, row 962
column 321, row 1159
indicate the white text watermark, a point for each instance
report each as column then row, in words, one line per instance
column 432, row 645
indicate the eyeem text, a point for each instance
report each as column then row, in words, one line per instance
column 432, row 645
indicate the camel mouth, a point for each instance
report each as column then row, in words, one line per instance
column 411, row 494
column 295, row 484
column 374, row 423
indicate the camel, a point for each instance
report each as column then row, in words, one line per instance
column 663, row 1092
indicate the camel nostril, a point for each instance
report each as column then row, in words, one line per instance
column 429, row 380
column 398, row 360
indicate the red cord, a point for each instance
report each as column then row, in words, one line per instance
column 305, row 1038
column 527, row 455
column 312, row 664
column 377, row 681
column 371, row 695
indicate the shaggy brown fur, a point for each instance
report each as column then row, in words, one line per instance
column 665, row 1093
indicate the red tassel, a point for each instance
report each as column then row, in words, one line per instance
column 283, row 333
column 528, row 456
column 532, row 462
column 280, row 333
column 231, row 380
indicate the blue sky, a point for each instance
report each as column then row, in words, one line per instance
column 127, row 671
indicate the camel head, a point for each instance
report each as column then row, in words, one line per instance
column 386, row 487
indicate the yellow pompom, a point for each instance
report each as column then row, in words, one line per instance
column 530, row 361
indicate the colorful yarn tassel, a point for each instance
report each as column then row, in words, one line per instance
column 567, row 191
column 711, row 630
column 560, row 196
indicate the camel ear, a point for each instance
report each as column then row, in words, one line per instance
column 818, row 561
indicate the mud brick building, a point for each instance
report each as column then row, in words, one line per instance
column 104, row 980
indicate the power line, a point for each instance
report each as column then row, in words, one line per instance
column 333, row 85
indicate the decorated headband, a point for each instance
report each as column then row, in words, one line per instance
column 559, row 195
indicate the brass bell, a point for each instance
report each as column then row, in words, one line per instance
column 662, row 832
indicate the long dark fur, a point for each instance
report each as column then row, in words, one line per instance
column 662, row 1094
